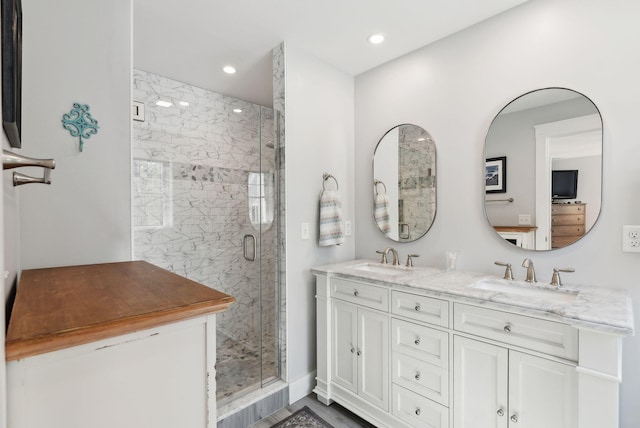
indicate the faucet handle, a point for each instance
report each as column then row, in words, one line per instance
column 508, row 273
column 410, row 259
column 555, row 278
column 384, row 256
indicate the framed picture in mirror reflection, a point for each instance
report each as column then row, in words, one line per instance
column 495, row 175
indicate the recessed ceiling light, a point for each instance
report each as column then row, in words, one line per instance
column 229, row 69
column 184, row 103
column 163, row 103
column 376, row 39
column 237, row 110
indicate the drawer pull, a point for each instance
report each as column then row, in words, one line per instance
column 417, row 341
column 418, row 411
column 514, row 418
column 355, row 293
column 417, row 376
column 500, row 412
column 507, row 329
column 417, row 308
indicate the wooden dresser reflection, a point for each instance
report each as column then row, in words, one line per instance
column 567, row 224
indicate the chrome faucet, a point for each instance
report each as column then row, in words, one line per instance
column 531, row 273
column 394, row 253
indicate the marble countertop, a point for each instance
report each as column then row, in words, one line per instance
column 599, row 308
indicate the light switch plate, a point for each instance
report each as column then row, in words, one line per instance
column 304, row 231
column 137, row 111
column 347, row 228
column 524, row 219
column 631, row 239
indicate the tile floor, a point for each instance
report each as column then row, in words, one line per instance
column 335, row 414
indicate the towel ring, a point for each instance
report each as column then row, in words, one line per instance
column 375, row 185
column 327, row 176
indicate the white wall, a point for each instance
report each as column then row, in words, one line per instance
column 320, row 134
column 77, row 51
column 454, row 87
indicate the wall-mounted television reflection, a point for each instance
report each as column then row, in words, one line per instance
column 564, row 184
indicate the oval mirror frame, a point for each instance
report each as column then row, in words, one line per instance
column 551, row 139
column 404, row 183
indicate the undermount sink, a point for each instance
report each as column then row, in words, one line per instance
column 526, row 290
column 381, row 268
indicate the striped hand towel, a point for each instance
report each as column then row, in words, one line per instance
column 331, row 232
column 381, row 213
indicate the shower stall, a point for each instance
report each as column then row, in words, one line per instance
column 206, row 185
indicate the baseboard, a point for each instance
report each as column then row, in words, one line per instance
column 302, row 387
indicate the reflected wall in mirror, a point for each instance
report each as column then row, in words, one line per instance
column 404, row 183
column 552, row 139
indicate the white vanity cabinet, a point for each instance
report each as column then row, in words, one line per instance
column 498, row 387
column 438, row 354
column 360, row 361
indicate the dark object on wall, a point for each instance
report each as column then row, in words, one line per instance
column 564, row 184
column 495, row 175
column 12, row 70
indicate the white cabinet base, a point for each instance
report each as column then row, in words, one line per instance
column 162, row 377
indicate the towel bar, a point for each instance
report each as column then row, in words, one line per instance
column 327, row 176
column 375, row 185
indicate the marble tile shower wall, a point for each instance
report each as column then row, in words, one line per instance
column 190, row 194
column 416, row 181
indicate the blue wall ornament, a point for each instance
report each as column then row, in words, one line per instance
column 80, row 123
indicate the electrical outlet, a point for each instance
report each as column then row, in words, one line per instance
column 347, row 228
column 631, row 239
column 304, row 231
column 524, row 219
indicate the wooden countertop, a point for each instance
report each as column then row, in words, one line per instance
column 57, row 308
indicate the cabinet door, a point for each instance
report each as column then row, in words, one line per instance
column 479, row 384
column 373, row 339
column 542, row 393
column 344, row 325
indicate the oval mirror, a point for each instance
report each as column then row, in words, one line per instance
column 543, row 169
column 404, row 183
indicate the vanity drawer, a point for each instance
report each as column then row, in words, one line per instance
column 424, row 343
column 420, row 377
column 417, row 411
column 360, row 293
column 420, row 308
column 539, row 335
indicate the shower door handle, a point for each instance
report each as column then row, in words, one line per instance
column 251, row 257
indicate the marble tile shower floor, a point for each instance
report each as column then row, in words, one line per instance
column 238, row 368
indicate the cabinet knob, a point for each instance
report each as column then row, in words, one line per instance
column 514, row 418
column 355, row 293
column 500, row 412
column 353, row 350
column 417, row 341
column 507, row 329
column 417, row 308
column 417, row 376
column 358, row 353
column 418, row 411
